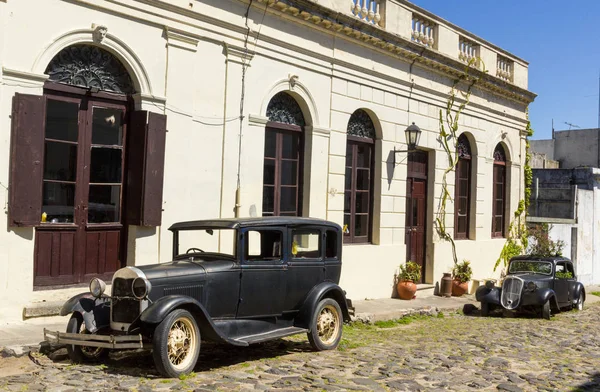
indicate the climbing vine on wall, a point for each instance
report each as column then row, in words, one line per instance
column 448, row 138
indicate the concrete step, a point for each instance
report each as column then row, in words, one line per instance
column 425, row 290
column 47, row 303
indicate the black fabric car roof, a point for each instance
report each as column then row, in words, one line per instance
column 235, row 223
column 540, row 258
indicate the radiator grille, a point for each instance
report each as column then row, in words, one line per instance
column 511, row 292
column 125, row 308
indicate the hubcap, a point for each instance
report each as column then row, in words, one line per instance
column 328, row 324
column 181, row 343
column 90, row 352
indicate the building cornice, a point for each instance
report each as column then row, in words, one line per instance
column 355, row 29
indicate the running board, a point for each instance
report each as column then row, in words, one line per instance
column 279, row 333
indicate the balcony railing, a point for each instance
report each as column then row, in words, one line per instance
column 367, row 10
column 423, row 31
column 504, row 69
column 468, row 52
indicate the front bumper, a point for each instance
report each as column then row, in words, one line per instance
column 92, row 340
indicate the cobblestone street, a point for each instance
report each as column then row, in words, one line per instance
column 453, row 352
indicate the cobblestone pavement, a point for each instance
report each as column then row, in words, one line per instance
column 454, row 352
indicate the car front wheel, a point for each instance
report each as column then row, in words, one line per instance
column 546, row 312
column 81, row 354
column 176, row 344
column 326, row 325
column 485, row 309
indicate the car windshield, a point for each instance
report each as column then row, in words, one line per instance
column 211, row 241
column 532, row 266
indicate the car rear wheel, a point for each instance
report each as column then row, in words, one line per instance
column 546, row 311
column 579, row 304
column 326, row 325
column 176, row 344
column 82, row 354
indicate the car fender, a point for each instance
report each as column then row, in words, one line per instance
column 95, row 311
column 320, row 291
column 578, row 291
column 488, row 295
column 547, row 294
column 158, row 311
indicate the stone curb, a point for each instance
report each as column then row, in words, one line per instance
column 45, row 309
column 369, row 318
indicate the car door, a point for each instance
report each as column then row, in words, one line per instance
column 561, row 284
column 572, row 281
column 263, row 273
column 306, row 268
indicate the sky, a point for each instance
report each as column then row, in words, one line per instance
column 559, row 40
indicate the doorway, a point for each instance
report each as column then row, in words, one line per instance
column 82, row 233
column 416, row 208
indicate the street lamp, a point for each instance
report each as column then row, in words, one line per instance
column 413, row 134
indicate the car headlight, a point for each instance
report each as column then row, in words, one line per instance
column 530, row 286
column 141, row 288
column 97, row 287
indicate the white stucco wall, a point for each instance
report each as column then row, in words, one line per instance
column 188, row 64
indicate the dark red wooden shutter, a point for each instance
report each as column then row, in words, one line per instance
column 146, row 155
column 26, row 160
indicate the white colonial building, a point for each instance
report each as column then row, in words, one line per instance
column 119, row 118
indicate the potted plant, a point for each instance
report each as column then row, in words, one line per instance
column 408, row 275
column 461, row 275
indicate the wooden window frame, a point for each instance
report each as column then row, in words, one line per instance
column 354, row 142
column 499, row 177
column 279, row 129
column 458, row 235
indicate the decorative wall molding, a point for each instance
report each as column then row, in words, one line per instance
column 238, row 54
column 257, row 121
column 23, row 77
column 326, row 132
column 181, row 39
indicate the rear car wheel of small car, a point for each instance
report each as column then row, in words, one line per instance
column 176, row 344
column 485, row 309
column 326, row 325
column 546, row 312
column 579, row 304
column 82, row 354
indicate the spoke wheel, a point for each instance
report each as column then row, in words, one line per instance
column 176, row 344
column 82, row 354
column 326, row 326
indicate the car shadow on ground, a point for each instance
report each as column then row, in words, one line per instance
column 473, row 311
column 139, row 363
column 593, row 385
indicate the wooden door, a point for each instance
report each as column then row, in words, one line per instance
column 416, row 209
column 82, row 230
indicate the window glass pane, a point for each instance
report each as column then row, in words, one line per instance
column 362, row 202
column 289, row 174
column 363, row 155
column 107, row 127
column 346, row 227
column 270, row 144
column 361, row 227
column 347, row 201
column 268, row 199
column 263, row 245
column 348, row 179
column 306, row 244
column 293, row 213
column 331, row 244
column 498, row 224
column 463, row 168
column 363, row 179
column 499, row 191
column 463, row 188
column 104, row 204
column 349, row 154
column 288, row 199
column 498, row 207
column 269, row 172
column 289, row 145
column 61, row 120
column 60, row 161
column 462, row 205
column 106, row 165
column 462, row 225
column 415, row 212
column 58, row 202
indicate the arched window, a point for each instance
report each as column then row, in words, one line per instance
column 358, row 192
column 499, row 192
column 284, row 146
column 462, row 189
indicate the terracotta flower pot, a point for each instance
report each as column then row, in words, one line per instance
column 406, row 289
column 458, row 288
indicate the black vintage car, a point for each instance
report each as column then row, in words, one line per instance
column 539, row 284
column 236, row 281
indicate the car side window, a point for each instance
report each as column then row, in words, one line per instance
column 263, row 245
column 331, row 244
column 570, row 270
column 562, row 272
column 306, row 244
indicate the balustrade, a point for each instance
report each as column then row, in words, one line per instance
column 423, row 31
column 468, row 51
column 368, row 10
column 504, row 68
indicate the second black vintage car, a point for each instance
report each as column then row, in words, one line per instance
column 536, row 284
column 236, row 281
